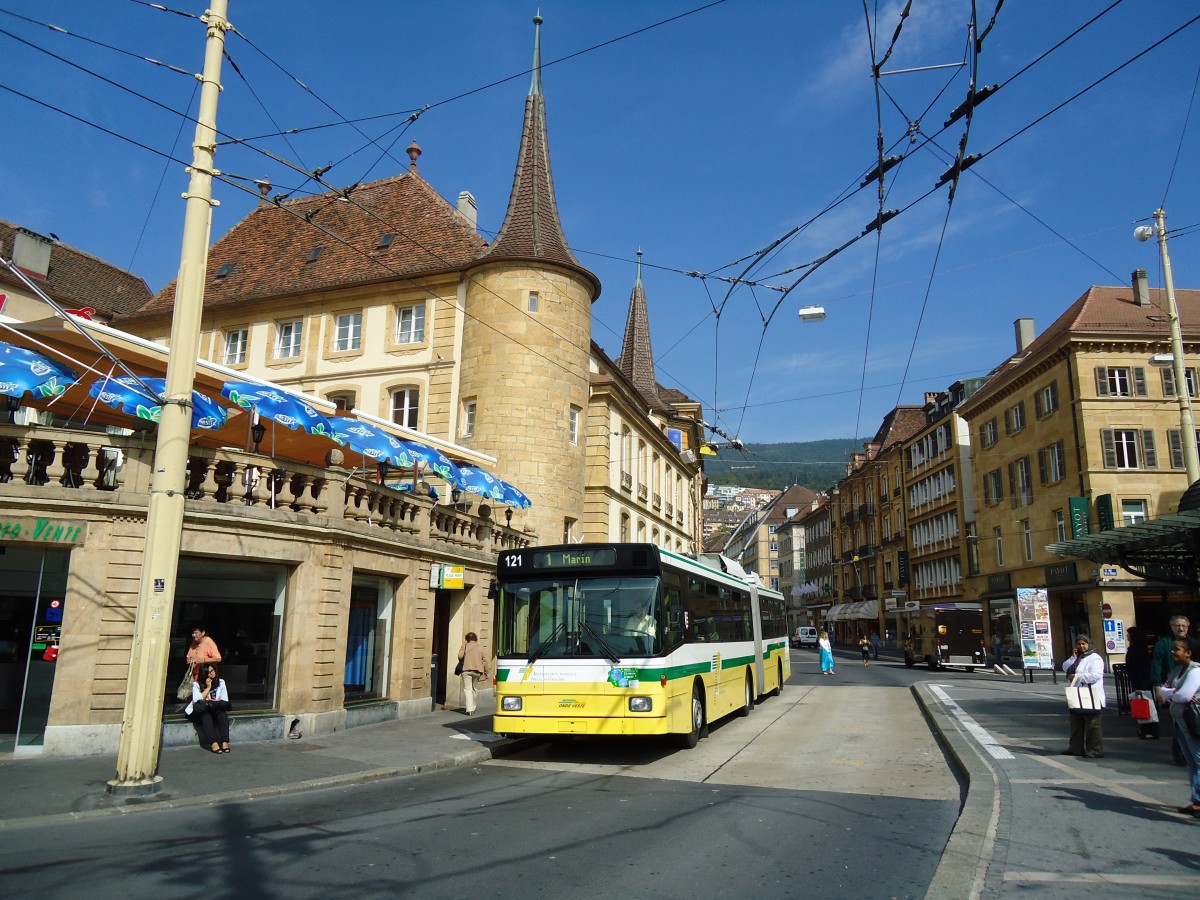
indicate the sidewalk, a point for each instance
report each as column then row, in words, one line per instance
column 57, row 789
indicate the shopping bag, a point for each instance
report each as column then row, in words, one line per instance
column 1142, row 707
column 1083, row 698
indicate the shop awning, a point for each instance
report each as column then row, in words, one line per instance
column 849, row 612
column 1167, row 547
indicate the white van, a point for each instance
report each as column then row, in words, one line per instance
column 805, row 636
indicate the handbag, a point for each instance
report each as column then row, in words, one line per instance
column 199, row 707
column 1142, row 707
column 1191, row 718
column 184, row 691
column 1082, row 698
column 458, row 668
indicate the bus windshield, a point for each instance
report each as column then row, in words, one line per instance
column 605, row 617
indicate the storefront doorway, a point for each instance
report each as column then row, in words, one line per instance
column 32, row 592
column 240, row 605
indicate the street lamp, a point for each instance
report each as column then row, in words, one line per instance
column 1191, row 460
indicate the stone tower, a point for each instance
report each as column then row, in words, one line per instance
column 527, row 341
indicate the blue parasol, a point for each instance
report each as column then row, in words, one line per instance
column 435, row 460
column 478, row 481
column 126, row 395
column 279, row 406
column 370, row 442
column 25, row 371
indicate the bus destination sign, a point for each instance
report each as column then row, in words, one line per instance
column 570, row 559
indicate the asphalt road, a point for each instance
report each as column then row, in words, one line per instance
column 836, row 788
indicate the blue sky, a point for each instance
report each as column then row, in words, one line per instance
column 701, row 140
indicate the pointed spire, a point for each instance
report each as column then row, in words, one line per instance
column 531, row 229
column 535, row 83
column 637, row 358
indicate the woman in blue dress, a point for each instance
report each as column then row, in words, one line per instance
column 826, row 654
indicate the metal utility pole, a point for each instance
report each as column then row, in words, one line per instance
column 1191, row 459
column 141, row 725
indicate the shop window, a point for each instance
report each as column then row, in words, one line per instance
column 368, row 639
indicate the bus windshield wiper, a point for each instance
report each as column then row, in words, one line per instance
column 559, row 629
column 608, row 651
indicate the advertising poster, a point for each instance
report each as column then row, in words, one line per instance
column 1033, row 615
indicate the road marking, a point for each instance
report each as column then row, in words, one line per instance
column 973, row 728
column 1138, row 880
column 1107, row 783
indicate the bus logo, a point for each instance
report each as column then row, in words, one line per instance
column 567, row 703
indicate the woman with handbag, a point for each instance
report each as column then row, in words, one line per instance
column 1179, row 693
column 1141, row 685
column 210, row 708
column 474, row 669
column 1085, row 671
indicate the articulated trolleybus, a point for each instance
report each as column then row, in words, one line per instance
column 630, row 639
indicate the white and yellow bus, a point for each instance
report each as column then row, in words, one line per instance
column 629, row 639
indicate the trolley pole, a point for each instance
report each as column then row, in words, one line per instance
column 1191, row 460
column 141, row 724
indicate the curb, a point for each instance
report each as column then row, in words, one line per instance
column 969, row 850
column 353, row 779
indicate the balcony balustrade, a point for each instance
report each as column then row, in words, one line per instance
column 626, row 481
column 86, row 473
column 643, row 492
column 658, row 501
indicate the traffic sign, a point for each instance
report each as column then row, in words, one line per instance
column 1106, row 609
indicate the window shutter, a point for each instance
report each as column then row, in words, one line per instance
column 1012, row 485
column 1101, row 381
column 1021, row 409
column 1109, row 447
column 1139, row 381
column 1168, row 379
column 1175, row 447
column 1037, row 405
column 1042, row 464
column 1008, row 421
column 1149, row 454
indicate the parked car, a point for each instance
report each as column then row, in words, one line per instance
column 805, row 636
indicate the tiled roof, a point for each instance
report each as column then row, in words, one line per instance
column 1109, row 311
column 531, row 229
column 901, row 423
column 267, row 254
column 77, row 279
column 637, row 357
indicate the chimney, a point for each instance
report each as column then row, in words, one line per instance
column 264, row 188
column 1141, row 289
column 931, row 398
column 31, row 253
column 1025, row 335
column 468, row 210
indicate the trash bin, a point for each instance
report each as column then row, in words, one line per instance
column 1121, row 677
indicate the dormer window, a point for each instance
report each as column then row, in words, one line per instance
column 315, row 254
column 225, row 270
column 385, row 241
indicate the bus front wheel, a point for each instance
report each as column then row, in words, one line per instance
column 692, row 738
column 933, row 663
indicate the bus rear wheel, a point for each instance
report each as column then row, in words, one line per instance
column 689, row 740
column 779, row 686
column 749, row 704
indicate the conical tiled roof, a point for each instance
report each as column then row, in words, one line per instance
column 636, row 361
column 531, row 229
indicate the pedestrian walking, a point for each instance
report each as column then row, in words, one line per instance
column 474, row 670
column 875, row 645
column 864, row 644
column 1141, row 684
column 826, row 654
column 1161, row 666
column 1177, row 692
column 1086, row 669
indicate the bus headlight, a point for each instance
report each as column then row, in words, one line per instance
column 510, row 704
column 640, row 704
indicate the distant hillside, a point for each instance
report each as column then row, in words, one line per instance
column 816, row 465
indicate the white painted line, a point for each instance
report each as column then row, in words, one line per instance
column 973, row 728
column 1142, row 880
